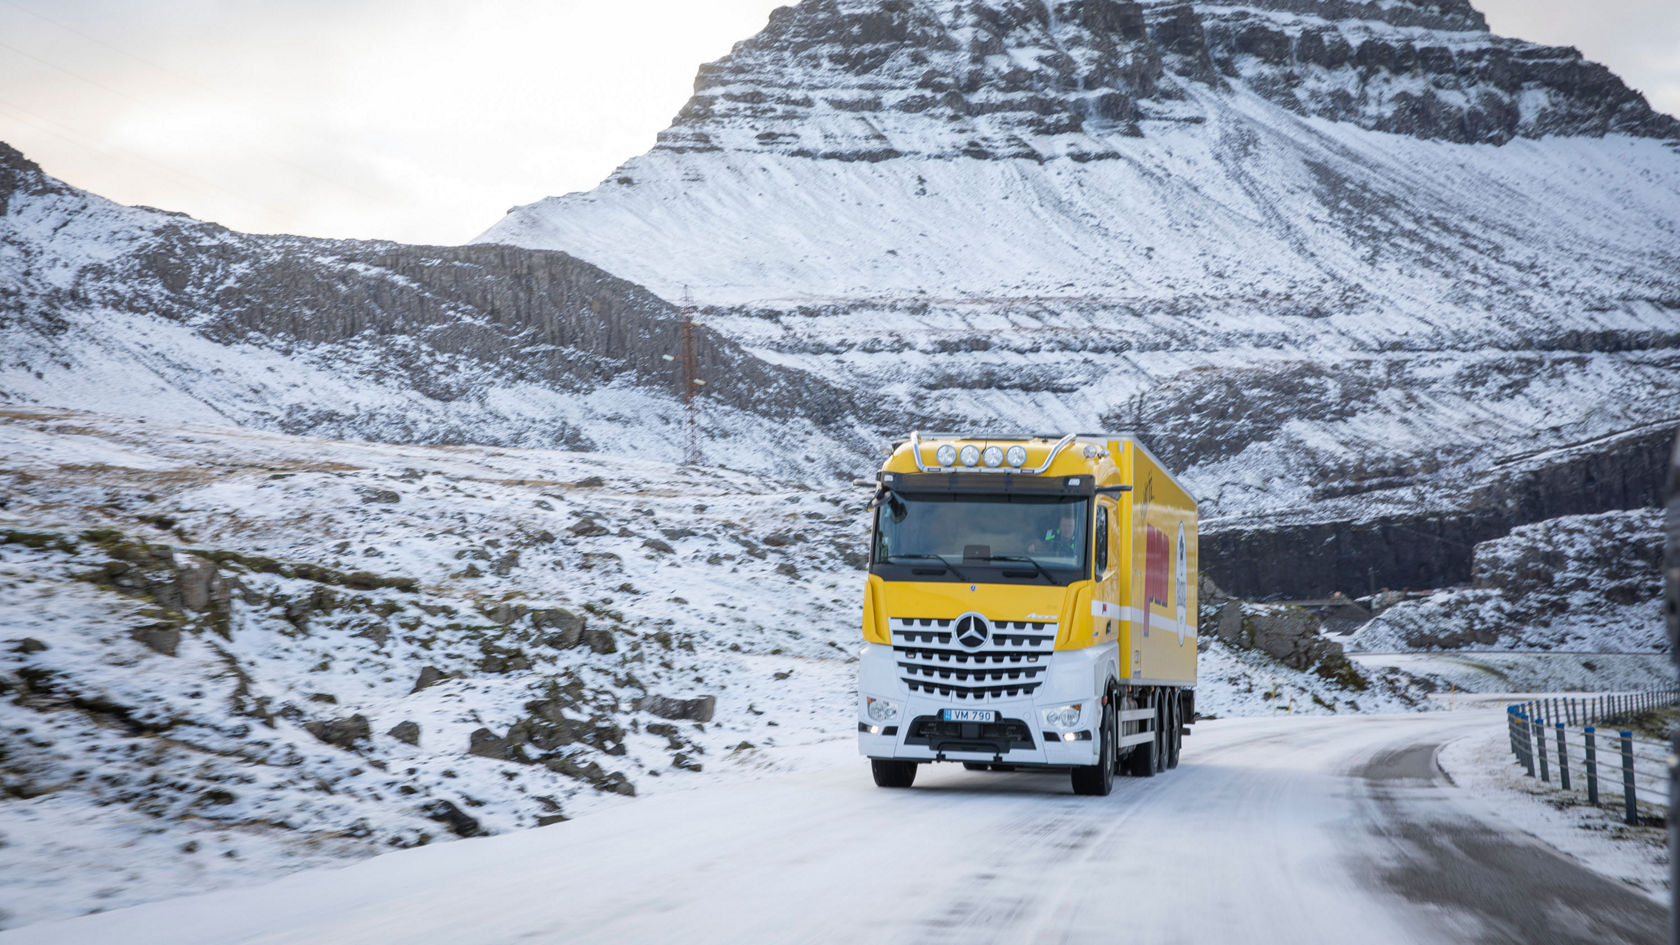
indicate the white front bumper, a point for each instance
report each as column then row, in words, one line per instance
column 1073, row 676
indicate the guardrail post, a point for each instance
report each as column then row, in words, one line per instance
column 1563, row 759
column 1540, row 740
column 1592, row 765
column 1627, row 778
column 1526, row 744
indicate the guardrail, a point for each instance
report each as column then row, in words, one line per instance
column 1562, row 732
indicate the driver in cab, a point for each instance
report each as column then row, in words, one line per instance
column 1059, row 538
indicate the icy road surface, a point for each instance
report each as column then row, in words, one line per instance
column 1331, row 830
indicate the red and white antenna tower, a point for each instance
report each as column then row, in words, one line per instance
column 691, row 381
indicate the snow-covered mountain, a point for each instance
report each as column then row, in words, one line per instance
column 137, row 311
column 1340, row 261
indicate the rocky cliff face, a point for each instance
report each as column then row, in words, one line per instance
column 1355, row 269
column 864, row 80
column 429, row 344
column 1425, row 69
column 1427, row 529
column 1583, row 582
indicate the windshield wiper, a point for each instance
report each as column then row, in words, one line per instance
column 1030, row 560
column 939, row 558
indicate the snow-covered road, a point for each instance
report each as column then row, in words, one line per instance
column 1325, row 829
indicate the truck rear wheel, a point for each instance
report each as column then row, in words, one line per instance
column 1174, row 726
column 1098, row 780
column 892, row 773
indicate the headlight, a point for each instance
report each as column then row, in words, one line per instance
column 1063, row 717
column 992, row 456
column 880, row 710
column 970, row 455
column 947, row 455
column 1017, row 456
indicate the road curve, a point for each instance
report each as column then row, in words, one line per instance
column 1331, row 830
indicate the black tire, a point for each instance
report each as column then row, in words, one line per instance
column 1175, row 729
column 892, row 773
column 1145, row 759
column 1098, row 780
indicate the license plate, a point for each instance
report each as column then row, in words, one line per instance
column 968, row 715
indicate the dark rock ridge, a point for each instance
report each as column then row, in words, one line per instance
column 1430, row 70
column 1296, row 557
column 871, row 80
column 1579, row 582
column 442, row 322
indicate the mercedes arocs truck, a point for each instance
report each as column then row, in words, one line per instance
column 1031, row 604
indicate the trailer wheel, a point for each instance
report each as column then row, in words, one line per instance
column 892, row 773
column 1175, row 738
column 1098, row 780
column 1145, row 759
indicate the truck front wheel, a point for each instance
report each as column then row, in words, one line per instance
column 892, row 773
column 1098, row 779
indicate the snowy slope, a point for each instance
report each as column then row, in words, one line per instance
column 134, row 311
column 227, row 654
column 1304, row 250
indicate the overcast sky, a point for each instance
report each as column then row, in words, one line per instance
column 425, row 120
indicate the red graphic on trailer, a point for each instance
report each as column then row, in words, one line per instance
column 1157, row 551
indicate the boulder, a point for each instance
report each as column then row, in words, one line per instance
column 697, row 709
column 562, row 629
column 487, row 744
column 459, row 823
column 341, row 733
column 429, row 676
column 407, row 732
column 162, row 638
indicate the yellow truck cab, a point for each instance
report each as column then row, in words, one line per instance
column 1031, row 604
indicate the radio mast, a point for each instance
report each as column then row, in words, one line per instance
column 691, row 381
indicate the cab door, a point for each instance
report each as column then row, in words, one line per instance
column 1107, row 568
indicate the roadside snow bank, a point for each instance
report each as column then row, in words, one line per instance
column 1595, row 836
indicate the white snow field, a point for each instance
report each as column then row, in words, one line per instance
column 1271, row 830
column 133, row 771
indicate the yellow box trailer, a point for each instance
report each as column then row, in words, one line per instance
column 1031, row 603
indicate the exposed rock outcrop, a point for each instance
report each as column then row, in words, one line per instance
column 861, row 80
column 1297, row 556
column 1289, row 635
column 1579, row 582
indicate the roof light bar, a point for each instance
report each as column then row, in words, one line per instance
column 947, row 456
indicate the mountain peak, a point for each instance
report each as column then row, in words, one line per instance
column 875, row 79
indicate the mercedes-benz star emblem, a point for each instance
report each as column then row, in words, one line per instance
column 972, row 630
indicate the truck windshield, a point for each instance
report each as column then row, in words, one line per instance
column 990, row 538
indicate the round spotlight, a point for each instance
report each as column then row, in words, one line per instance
column 992, row 456
column 1017, row 456
column 970, row 455
column 947, row 455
